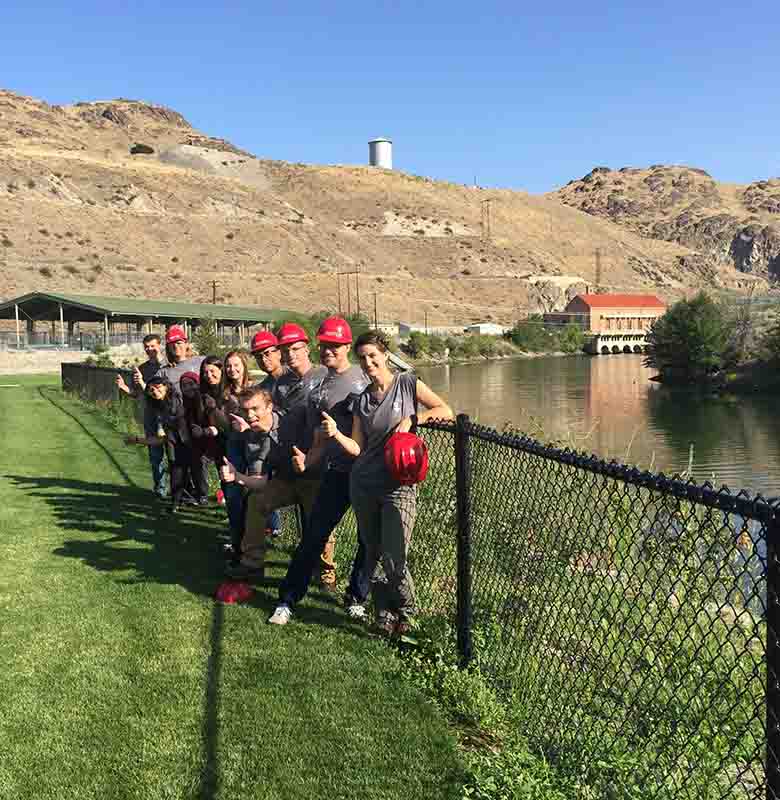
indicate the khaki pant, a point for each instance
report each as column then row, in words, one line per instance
column 280, row 493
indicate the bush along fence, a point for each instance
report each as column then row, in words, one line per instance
column 632, row 618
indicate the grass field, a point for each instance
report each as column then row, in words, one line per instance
column 122, row 678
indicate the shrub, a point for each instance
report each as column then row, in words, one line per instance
column 205, row 339
column 30, row 183
column 46, row 272
column 690, row 340
column 71, row 269
column 6, row 242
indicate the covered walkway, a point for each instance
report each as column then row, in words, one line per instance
column 49, row 318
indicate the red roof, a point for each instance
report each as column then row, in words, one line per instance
column 621, row 300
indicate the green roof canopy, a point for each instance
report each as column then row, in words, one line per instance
column 87, row 308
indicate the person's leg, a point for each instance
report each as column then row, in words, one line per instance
column 200, row 476
column 399, row 509
column 274, row 523
column 326, row 512
column 157, row 463
column 369, row 521
column 234, row 494
column 277, row 493
column 179, row 472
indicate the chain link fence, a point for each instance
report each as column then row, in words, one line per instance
column 632, row 618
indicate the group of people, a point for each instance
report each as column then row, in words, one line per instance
column 308, row 436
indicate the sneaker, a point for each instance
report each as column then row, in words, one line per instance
column 245, row 572
column 281, row 615
column 275, row 533
column 357, row 612
column 174, row 509
column 202, row 501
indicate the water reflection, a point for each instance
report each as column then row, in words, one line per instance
column 609, row 406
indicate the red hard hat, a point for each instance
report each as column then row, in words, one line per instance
column 262, row 340
column 406, row 458
column 335, row 330
column 290, row 333
column 175, row 334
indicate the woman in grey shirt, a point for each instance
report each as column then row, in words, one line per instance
column 385, row 509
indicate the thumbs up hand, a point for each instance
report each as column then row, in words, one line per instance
column 227, row 472
column 239, row 424
column 298, row 460
column 328, row 426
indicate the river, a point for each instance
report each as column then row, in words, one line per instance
column 609, row 406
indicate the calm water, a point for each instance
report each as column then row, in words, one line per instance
column 607, row 405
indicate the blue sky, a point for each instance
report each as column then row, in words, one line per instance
column 522, row 97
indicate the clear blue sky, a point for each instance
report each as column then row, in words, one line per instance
column 520, row 97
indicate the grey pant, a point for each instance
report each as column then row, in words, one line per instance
column 385, row 523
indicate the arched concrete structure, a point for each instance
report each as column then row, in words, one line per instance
column 626, row 348
column 637, row 348
column 605, row 351
column 615, row 349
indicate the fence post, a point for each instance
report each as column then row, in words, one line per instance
column 463, row 494
column 773, row 658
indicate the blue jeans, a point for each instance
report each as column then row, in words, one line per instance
column 234, row 494
column 329, row 507
column 156, row 459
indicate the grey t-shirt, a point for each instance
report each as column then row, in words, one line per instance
column 378, row 419
column 279, row 387
column 173, row 372
column 336, row 395
column 296, row 401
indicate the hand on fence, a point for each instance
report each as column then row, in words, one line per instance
column 328, row 426
column 404, row 426
column 298, row 460
column 239, row 424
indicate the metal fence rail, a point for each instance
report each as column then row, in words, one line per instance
column 632, row 617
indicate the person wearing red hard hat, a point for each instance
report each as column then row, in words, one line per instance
column 179, row 355
column 381, row 488
column 331, row 401
column 290, row 394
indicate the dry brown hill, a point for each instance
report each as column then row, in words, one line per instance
column 725, row 224
column 84, row 209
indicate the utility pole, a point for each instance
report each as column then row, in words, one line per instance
column 356, row 273
column 338, row 284
column 376, row 320
column 213, row 292
column 426, row 322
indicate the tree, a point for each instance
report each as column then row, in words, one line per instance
column 770, row 343
column 205, row 339
column 690, row 340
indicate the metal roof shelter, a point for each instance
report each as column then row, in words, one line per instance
column 68, row 308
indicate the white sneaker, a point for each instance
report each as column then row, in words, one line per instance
column 281, row 615
column 356, row 611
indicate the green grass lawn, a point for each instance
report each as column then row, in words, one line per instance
column 121, row 678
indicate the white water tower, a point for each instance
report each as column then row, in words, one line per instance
column 380, row 153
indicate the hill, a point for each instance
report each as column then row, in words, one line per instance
column 126, row 198
column 727, row 225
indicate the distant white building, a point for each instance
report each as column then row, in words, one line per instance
column 486, row 328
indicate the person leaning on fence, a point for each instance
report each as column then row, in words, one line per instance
column 333, row 399
column 172, row 431
column 292, row 391
column 385, row 509
column 142, row 374
column 269, row 452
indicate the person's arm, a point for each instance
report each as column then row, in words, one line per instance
column 314, row 456
column 229, row 474
column 121, row 384
column 149, row 441
column 435, row 408
column 351, row 445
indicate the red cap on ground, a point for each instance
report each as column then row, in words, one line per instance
column 406, row 458
column 233, row 592
column 175, row 334
column 335, row 330
column 263, row 340
column 290, row 333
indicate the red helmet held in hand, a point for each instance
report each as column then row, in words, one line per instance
column 406, row 458
column 175, row 334
column 335, row 330
column 263, row 340
column 290, row 333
